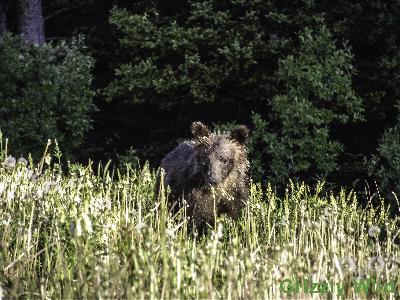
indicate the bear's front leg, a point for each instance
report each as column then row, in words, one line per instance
column 204, row 208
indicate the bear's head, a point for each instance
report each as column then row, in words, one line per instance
column 220, row 156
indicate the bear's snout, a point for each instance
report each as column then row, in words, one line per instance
column 212, row 181
column 213, row 176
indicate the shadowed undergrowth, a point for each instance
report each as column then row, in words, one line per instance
column 95, row 233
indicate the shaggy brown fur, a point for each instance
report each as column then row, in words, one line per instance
column 211, row 172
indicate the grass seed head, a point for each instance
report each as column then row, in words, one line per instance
column 9, row 163
column 374, row 231
column 22, row 161
column 376, row 263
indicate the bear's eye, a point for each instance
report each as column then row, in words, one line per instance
column 223, row 160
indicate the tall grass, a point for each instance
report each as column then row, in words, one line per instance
column 93, row 233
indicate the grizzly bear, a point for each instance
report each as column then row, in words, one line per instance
column 210, row 173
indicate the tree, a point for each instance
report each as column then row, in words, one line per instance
column 31, row 21
column 45, row 94
column 217, row 61
column 315, row 94
column 209, row 60
column 3, row 18
column 384, row 166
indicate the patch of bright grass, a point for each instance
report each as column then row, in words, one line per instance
column 101, row 234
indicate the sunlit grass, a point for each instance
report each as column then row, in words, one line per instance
column 93, row 233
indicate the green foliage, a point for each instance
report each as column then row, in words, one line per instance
column 223, row 127
column 385, row 165
column 218, row 61
column 316, row 93
column 130, row 157
column 45, row 94
column 240, row 53
column 215, row 61
column 199, row 53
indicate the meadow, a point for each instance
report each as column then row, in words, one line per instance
column 93, row 232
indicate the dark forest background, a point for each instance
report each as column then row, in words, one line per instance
column 316, row 81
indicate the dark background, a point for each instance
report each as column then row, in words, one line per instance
column 151, row 122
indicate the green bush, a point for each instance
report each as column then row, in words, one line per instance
column 385, row 165
column 45, row 93
column 316, row 93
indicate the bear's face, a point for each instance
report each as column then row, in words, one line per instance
column 217, row 154
column 216, row 160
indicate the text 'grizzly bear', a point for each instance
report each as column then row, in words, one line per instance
column 210, row 172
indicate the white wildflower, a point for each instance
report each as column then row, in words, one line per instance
column 146, row 177
column 10, row 195
column 277, row 273
column 376, row 263
column 347, row 264
column 77, row 199
column 139, row 226
column 113, row 226
column 219, row 230
column 47, row 186
column 76, row 228
column 374, row 231
column 22, row 161
column 47, row 160
column 9, row 163
column 87, row 223
column 170, row 233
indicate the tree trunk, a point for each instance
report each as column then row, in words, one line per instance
column 31, row 21
column 3, row 19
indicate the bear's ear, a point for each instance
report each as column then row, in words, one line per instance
column 240, row 134
column 199, row 130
